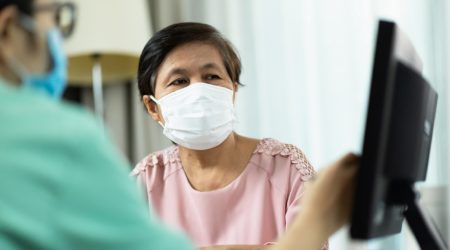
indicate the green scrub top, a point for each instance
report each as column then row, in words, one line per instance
column 63, row 185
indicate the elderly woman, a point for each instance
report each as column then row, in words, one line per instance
column 220, row 187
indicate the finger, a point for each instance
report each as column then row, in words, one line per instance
column 349, row 159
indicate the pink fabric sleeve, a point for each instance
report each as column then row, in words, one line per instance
column 298, row 182
column 139, row 175
column 305, row 170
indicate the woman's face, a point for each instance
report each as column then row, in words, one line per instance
column 188, row 64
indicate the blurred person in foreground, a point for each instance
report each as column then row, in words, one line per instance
column 62, row 184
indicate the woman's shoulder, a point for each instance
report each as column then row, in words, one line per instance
column 290, row 158
column 157, row 160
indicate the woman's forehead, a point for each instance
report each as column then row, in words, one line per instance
column 192, row 55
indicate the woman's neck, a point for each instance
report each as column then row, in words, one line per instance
column 217, row 167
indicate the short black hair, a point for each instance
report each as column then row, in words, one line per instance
column 24, row 6
column 167, row 39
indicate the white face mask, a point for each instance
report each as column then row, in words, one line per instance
column 200, row 116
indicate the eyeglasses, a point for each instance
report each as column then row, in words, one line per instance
column 65, row 16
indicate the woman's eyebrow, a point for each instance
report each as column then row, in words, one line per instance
column 177, row 71
column 183, row 71
column 211, row 66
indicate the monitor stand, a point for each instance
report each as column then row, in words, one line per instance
column 424, row 229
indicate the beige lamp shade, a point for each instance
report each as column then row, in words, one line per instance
column 116, row 31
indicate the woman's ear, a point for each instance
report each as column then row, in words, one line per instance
column 10, row 42
column 7, row 16
column 152, row 108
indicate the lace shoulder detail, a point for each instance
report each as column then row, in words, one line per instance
column 298, row 159
column 159, row 158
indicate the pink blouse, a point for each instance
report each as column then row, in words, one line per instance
column 254, row 209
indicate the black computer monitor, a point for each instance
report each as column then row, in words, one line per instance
column 397, row 142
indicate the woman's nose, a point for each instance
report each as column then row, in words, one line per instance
column 196, row 80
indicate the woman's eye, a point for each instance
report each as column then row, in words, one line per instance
column 212, row 77
column 179, row 81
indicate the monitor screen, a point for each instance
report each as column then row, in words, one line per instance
column 398, row 132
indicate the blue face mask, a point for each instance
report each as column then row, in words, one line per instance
column 53, row 82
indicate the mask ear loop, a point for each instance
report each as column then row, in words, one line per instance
column 157, row 102
column 153, row 99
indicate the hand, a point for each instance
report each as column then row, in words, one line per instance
column 326, row 206
column 330, row 195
